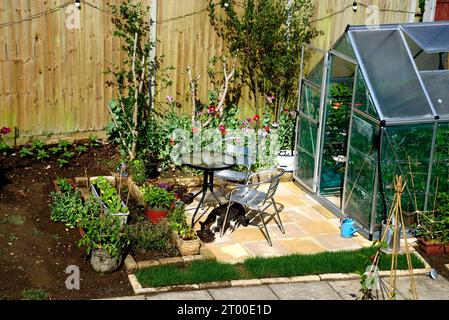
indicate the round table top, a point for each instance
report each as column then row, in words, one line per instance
column 206, row 160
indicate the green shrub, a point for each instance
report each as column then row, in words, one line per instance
column 178, row 215
column 109, row 195
column 156, row 197
column 138, row 171
column 66, row 207
column 69, row 208
column 148, row 237
column 64, row 185
column 103, row 232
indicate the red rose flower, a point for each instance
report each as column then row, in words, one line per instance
column 256, row 117
column 212, row 109
column 267, row 129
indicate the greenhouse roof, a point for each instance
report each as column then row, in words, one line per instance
column 403, row 66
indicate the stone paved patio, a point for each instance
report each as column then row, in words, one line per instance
column 309, row 229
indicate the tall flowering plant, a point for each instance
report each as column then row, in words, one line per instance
column 3, row 133
column 286, row 129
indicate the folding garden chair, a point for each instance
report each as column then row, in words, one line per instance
column 244, row 157
column 251, row 197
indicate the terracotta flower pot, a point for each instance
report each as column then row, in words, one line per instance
column 155, row 215
column 432, row 248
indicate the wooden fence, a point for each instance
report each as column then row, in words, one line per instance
column 52, row 77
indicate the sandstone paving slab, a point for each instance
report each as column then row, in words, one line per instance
column 230, row 253
column 187, row 295
column 428, row 289
column 335, row 242
column 292, row 230
column 302, row 246
column 305, row 291
column 246, row 293
column 262, row 249
column 324, row 212
column 319, row 227
column 347, row 290
column 247, row 234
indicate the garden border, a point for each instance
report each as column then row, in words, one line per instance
column 139, row 290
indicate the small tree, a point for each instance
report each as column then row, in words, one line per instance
column 266, row 37
column 131, row 110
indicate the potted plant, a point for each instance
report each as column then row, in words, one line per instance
column 104, row 241
column 432, row 229
column 286, row 132
column 184, row 237
column 110, row 199
column 158, row 202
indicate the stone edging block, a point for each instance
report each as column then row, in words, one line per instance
column 138, row 290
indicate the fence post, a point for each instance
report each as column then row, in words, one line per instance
column 429, row 14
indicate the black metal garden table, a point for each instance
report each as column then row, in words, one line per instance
column 208, row 162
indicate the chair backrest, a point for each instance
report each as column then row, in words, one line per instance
column 274, row 184
column 273, row 179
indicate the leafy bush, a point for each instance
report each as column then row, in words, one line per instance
column 138, row 171
column 286, row 130
column 103, row 232
column 178, row 222
column 150, row 237
column 178, row 214
column 434, row 225
column 156, row 197
column 109, row 196
column 25, row 152
column 64, row 185
column 66, row 207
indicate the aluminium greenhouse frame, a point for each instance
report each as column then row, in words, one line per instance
column 382, row 123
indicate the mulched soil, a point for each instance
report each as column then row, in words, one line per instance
column 35, row 254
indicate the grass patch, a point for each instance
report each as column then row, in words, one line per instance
column 35, row 294
column 196, row 272
column 14, row 220
column 288, row 266
column 322, row 263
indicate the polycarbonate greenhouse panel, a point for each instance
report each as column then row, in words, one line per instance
column 440, row 168
column 361, row 171
column 310, row 105
column 437, row 83
column 344, row 46
column 307, row 141
column 362, row 97
column 431, row 38
column 406, row 151
column 392, row 77
column 313, row 65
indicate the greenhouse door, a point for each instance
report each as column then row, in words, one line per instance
column 335, row 129
column 311, row 98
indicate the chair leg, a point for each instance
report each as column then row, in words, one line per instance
column 225, row 220
column 265, row 227
column 281, row 226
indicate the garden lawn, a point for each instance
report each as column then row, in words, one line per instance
column 288, row 266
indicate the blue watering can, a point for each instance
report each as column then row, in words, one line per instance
column 347, row 228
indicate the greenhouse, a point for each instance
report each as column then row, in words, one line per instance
column 376, row 105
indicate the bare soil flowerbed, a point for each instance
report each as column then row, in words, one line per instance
column 34, row 252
